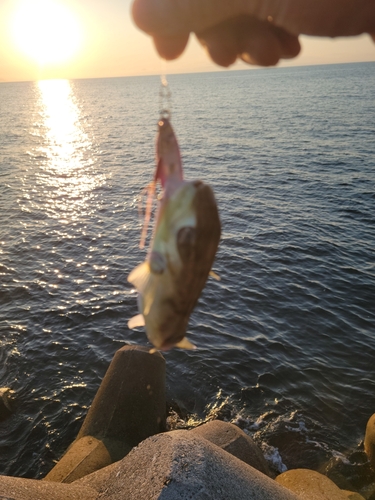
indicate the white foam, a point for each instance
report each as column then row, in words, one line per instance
column 341, row 457
column 272, row 455
column 301, row 427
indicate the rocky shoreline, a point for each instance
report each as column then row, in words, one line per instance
column 124, row 450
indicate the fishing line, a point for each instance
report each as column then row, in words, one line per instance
column 150, row 191
column 165, row 95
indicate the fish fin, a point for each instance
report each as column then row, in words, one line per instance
column 142, row 278
column 214, row 275
column 147, row 299
column 185, row 344
column 153, row 350
column 139, row 276
column 135, row 321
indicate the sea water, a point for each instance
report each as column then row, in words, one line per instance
column 286, row 339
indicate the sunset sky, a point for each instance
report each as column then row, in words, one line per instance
column 96, row 38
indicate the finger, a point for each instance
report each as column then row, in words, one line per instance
column 254, row 41
column 311, row 17
column 265, row 43
column 172, row 17
column 290, row 46
column 221, row 43
column 170, row 47
column 259, row 43
column 245, row 37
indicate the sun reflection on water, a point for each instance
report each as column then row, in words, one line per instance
column 66, row 154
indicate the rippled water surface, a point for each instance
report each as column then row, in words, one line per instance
column 286, row 339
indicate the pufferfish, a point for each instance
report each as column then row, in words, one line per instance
column 183, row 247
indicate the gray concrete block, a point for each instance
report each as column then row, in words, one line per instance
column 233, row 440
column 128, row 407
column 97, row 480
column 130, row 404
column 179, row 465
column 84, row 456
column 16, row 488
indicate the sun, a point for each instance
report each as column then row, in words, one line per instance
column 46, row 31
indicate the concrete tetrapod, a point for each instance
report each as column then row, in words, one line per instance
column 233, row 440
column 18, row 488
column 311, row 485
column 352, row 495
column 129, row 407
column 370, row 440
column 179, row 465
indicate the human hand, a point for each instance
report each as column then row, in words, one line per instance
column 258, row 31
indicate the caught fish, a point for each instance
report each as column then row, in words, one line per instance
column 182, row 251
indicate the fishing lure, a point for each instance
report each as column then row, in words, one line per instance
column 186, row 236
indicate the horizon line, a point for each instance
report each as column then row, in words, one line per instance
column 219, row 70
